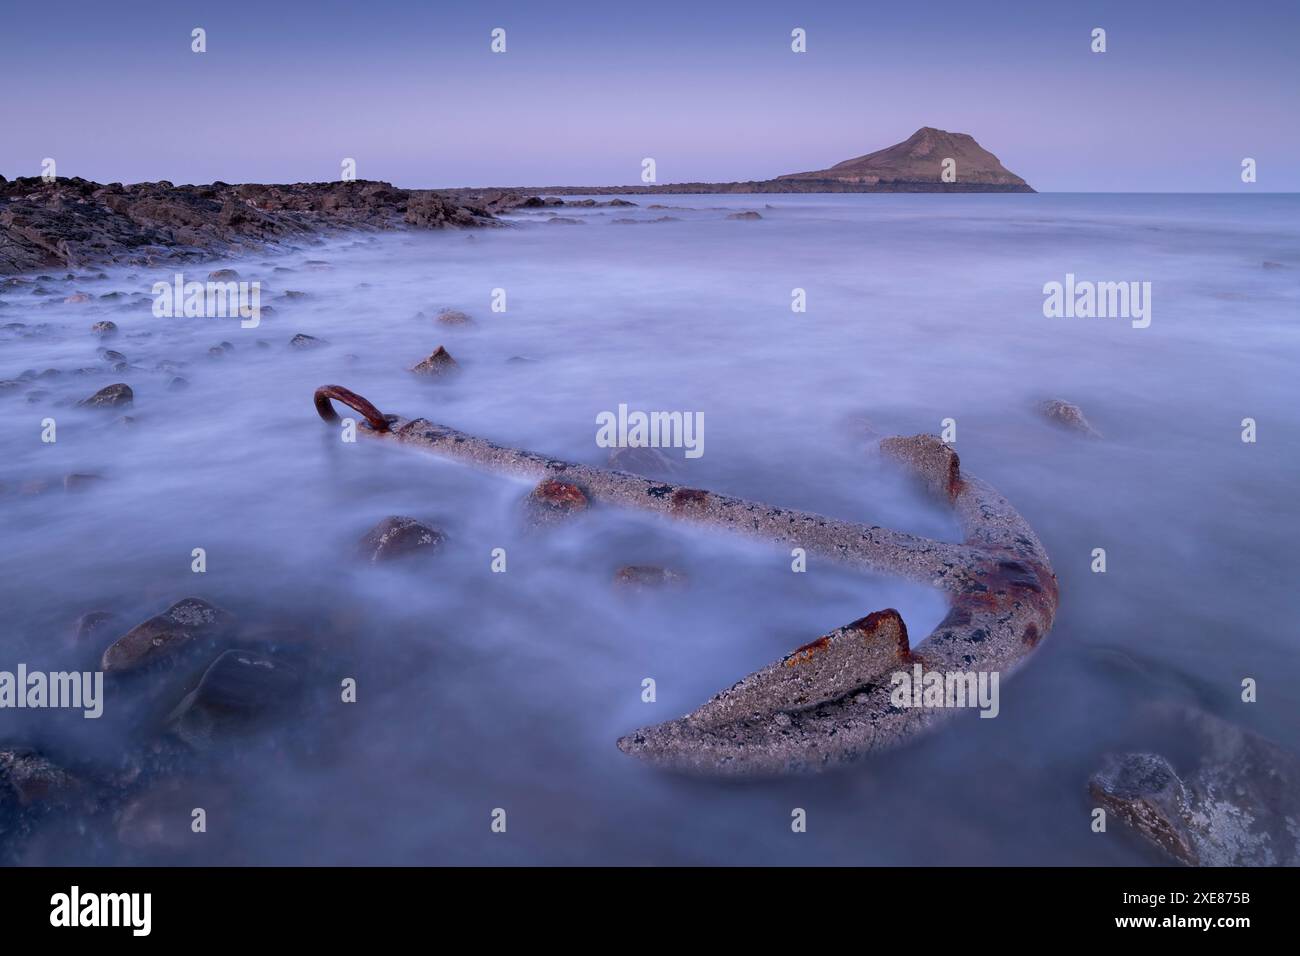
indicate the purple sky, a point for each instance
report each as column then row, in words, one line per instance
column 411, row 90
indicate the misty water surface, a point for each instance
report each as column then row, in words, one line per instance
column 479, row 690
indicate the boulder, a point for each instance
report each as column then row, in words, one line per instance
column 237, row 691
column 188, row 622
column 398, row 536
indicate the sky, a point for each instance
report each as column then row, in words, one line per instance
column 412, row 91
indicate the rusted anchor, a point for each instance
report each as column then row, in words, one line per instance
column 829, row 702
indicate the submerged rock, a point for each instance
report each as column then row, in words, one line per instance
column 80, row 481
column 223, row 275
column 236, row 692
column 301, row 341
column 640, row 576
column 453, row 317
column 1067, row 415
column 110, row 396
column 1238, row 806
column 439, row 362
column 104, row 328
column 31, row 778
column 554, row 500
column 397, row 536
column 92, row 626
column 748, row 214
column 162, row 817
column 185, row 623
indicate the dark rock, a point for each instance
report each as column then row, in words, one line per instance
column 74, row 220
column 223, row 275
column 105, row 328
column 301, row 341
column 32, row 779
column 236, row 692
column 186, row 622
column 563, row 221
column 110, row 396
column 398, row 536
column 80, row 482
column 748, row 214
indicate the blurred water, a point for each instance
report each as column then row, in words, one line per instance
column 481, row 690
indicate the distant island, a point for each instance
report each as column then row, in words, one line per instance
column 915, row 165
column 70, row 222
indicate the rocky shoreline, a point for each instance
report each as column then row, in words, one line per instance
column 73, row 222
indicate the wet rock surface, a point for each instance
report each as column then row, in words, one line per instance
column 1236, row 804
column 186, row 622
column 237, row 693
column 399, row 536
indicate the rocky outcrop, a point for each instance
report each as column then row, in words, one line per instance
column 73, row 222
